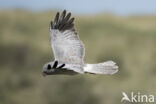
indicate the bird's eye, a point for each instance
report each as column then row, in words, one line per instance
column 49, row 67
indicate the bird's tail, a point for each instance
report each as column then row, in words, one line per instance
column 108, row 67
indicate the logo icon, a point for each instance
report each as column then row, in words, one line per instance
column 125, row 97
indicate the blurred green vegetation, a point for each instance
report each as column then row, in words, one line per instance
column 25, row 47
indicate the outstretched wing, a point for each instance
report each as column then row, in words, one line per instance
column 66, row 45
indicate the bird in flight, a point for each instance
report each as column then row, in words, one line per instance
column 69, row 51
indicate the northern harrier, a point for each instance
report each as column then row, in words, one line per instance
column 69, row 51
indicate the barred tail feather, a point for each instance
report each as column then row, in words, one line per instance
column 108, row 67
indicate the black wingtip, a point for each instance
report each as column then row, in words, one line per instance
column 51, row 25
column 49, row 67
column 63, row 22
column 64, row 12
column 68, row 16
column 71, row 20
column 61, row 66
column 56, row 20
column 55, row 64
column 62, row 15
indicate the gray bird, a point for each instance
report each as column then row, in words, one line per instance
column 69, row 51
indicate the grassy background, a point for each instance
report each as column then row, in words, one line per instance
column 25, row 47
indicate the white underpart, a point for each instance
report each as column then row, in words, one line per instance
column 75, row 67
column 108, row 67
